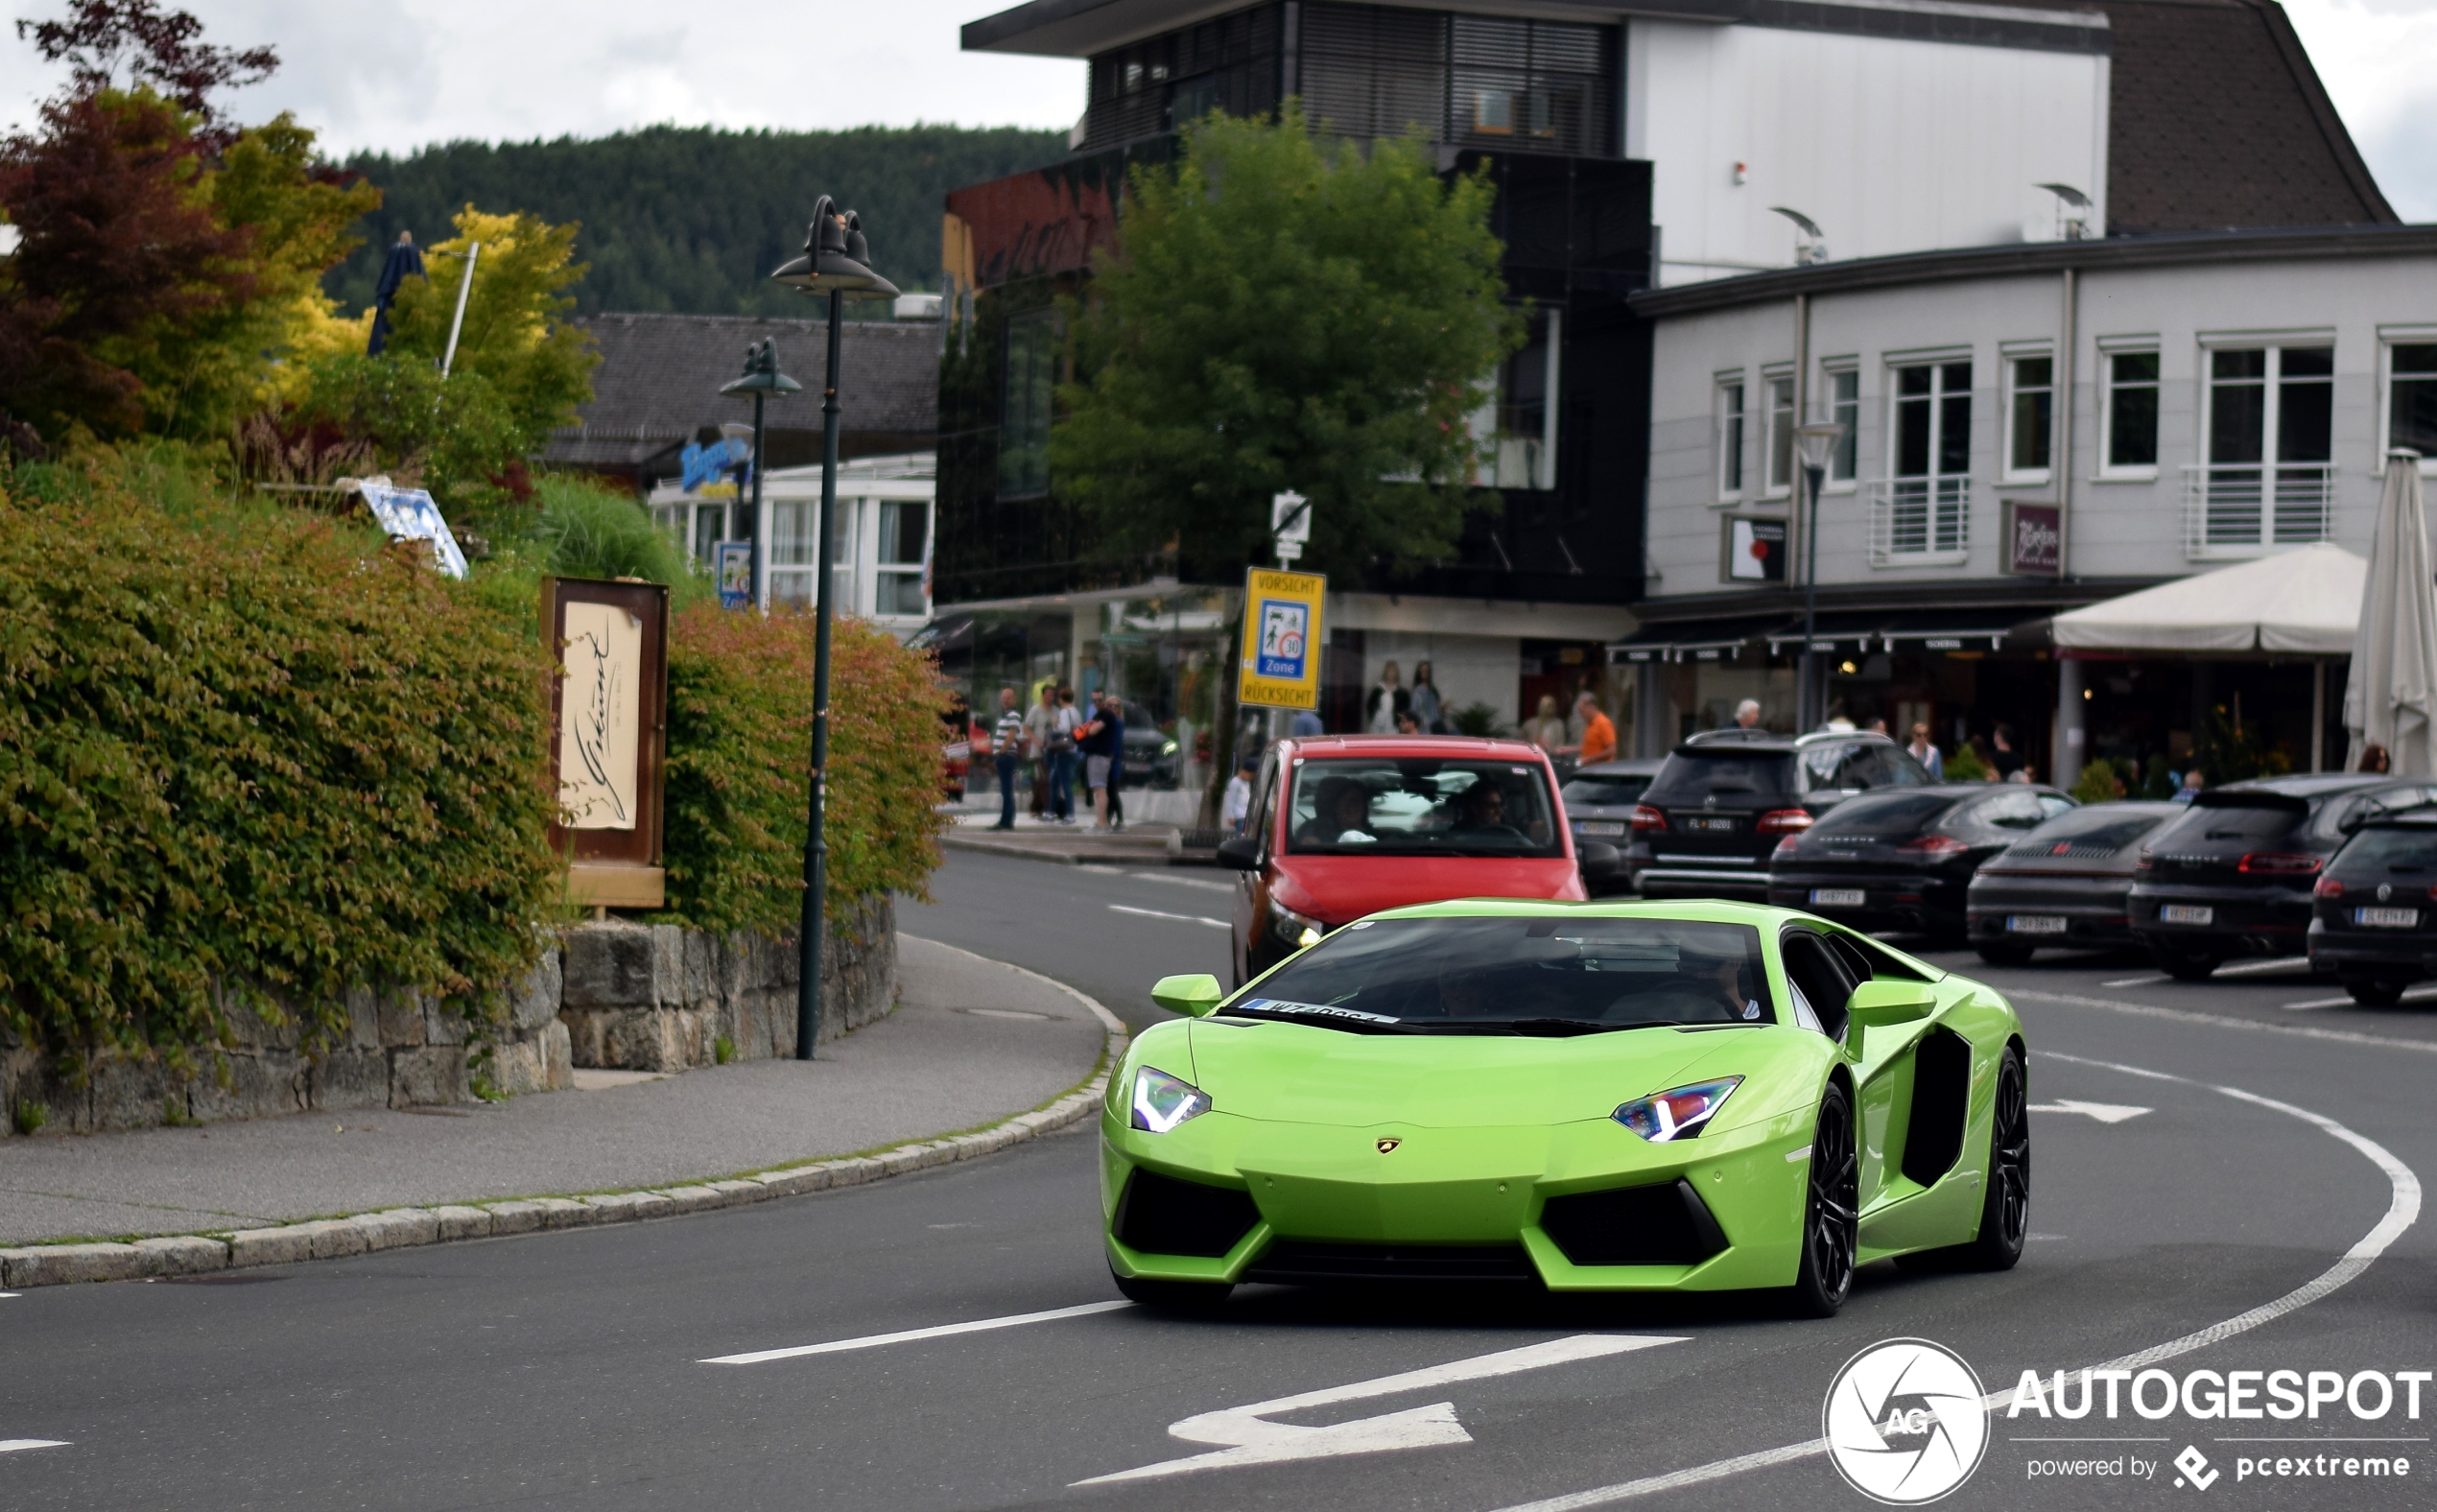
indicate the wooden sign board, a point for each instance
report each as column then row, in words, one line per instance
column 608, row 721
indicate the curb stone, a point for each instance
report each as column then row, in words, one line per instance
column 403, row 1228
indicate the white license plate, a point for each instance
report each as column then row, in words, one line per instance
column 1598, row 827
column 2387, row 919
column 1839, row 897
column 2034, row 924
column 1698, row 822
column 2185, row 913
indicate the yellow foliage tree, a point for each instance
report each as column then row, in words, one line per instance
column 516, row 333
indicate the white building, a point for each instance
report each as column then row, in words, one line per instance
column 879, row 554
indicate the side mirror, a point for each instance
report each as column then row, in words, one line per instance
column 1598, row 861
column 1195, row 997
column 1876, row 1005
column 1240, row 854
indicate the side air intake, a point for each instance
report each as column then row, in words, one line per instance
column 1161, row 1216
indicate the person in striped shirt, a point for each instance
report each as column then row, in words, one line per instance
column 1007, row 745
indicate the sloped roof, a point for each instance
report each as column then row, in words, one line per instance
column 659, row 380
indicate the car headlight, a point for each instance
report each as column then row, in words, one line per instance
column 1295, row 928
column 1680, row 1114
column 1162, row 1101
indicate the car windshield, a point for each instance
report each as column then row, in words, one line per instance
column 2402, row 851
column 1610, row 791
column 2100, row 830
column 1897, row 813
column 1522, row 975
column 1421, row 806
column 1688, row 778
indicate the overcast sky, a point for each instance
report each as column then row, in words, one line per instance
column 399, row 74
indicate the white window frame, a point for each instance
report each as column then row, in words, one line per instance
column 2199, row 543
column 1886, row 495
column 2390, row 337
column 1830, row 371
column 2110, row 348
column 1770, row 379
column 1729, row 429
column 2007, row 355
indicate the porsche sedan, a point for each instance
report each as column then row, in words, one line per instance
column 1582, row 1096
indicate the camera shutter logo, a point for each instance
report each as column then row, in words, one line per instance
column 1904, row 1422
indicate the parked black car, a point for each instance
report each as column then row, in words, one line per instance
column 1600, row 801
column 1905, row 860
column 2376, row 908
column 1720, row 803
column 2065, row 884
column 2233, row 876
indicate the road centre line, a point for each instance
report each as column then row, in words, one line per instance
column 2221, row 1021
column 1180, row 919
column 909, row 1336
column 2402, row 1210
column 9, row 1445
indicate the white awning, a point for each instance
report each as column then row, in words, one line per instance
column 2306, row 601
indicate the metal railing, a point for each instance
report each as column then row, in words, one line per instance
column 2247, row 508
column 1919, row 521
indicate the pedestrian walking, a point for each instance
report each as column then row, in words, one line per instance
column 1007, row 752
column 1598, row 734
column 1063, row 750
column 1091, row 738
column 1113, row 709
column 1040, row 721
column 1237, row 801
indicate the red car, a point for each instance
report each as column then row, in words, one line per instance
column 1343, row 826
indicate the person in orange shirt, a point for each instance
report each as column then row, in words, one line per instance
column 1599, row 736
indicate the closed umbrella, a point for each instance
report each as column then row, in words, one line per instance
column 404, row 261
column 2391, row 697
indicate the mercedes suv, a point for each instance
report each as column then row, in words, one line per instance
column 1708, row 820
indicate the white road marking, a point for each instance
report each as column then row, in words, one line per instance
column 1252, row 1439
column 2221, row 1021
column 2244, row 968
column 11, row 1445
column 2103, row 1112
column 1203, row 883
column 1180, row 919
column 943, row 1330
column 1007, row 1013
column 12, row 1293
column 2418, row 995
column 2402, row 1210
column 2135, row 981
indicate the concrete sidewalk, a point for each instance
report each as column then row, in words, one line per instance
column 972, row 1044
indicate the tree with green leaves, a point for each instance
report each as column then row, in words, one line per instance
column 515, row 335
column 1286, row 312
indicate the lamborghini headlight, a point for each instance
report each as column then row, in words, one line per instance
column 1680, row 1114
column 1162, row 1101
column 1295, row 929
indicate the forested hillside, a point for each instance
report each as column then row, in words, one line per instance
column 691, row 219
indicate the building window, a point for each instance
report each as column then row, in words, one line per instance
column 1780, row 435
column 2132, row 413
column 2270, row 477
column 2411, row 398
column 1730, row 439
column 1922, row 512
column 1023, row 417
column 1499, row 83
column 905, row 531
column 2030, row 417
column 1516, row 434
column 1844, row 407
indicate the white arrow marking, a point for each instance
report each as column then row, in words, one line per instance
column 9, row 1445
column 1251, row 1440
column 2103, row 1112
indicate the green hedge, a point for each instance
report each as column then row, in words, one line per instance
column 251, row 747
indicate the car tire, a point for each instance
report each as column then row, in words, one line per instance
column 1831, row 1216
column 1174, row 1296
column 2185, row 965
column 1998, row 954
column 2375, row 992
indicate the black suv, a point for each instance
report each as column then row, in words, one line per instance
column 2233, row 875
column 1708, row 821
column 2377, row 924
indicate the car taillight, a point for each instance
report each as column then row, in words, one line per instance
column 1645, row 817
column 1785, row 848
column 1785, row 821
column 2330, row 888
column 2279, row 863
column 2146, row 860
column 1932, row 845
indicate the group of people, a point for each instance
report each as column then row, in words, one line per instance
column 1054, row 737
column 1588, row 736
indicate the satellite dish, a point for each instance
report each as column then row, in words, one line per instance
column 1811, row 246
column 2072, row 211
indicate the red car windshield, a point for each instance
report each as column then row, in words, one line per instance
column 1421, row 806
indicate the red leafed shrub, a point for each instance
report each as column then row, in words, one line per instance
column 739, row 755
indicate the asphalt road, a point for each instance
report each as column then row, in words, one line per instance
column 2210, row 1228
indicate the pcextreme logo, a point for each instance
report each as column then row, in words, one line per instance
column 1904, row 1422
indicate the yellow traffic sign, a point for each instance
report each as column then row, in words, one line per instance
column 1281, row 662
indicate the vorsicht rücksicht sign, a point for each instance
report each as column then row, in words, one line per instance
column 1281, row 662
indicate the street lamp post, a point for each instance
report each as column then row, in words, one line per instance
column 763, row 381
column 835, row 263
column 1813, row 444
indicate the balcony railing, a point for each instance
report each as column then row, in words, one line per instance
column 2250, row 508
column 1920, row 521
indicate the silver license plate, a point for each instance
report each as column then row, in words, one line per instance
column 2387, row 919
column 2185, row 913
column 1704, row 822
column 2034, row 924
column 1839, row 897
column 1598, row 827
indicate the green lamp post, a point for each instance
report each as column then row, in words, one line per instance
column 763, row 381
column 835, row 263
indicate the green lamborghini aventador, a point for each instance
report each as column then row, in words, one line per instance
column 1589, row 1095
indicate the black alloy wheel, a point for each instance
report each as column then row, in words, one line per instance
column 2005, row 953
column 2375, row 992
column 2185, row 963
column 1832, row 1216
column 2006, row 1211
column 1174, row 1296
